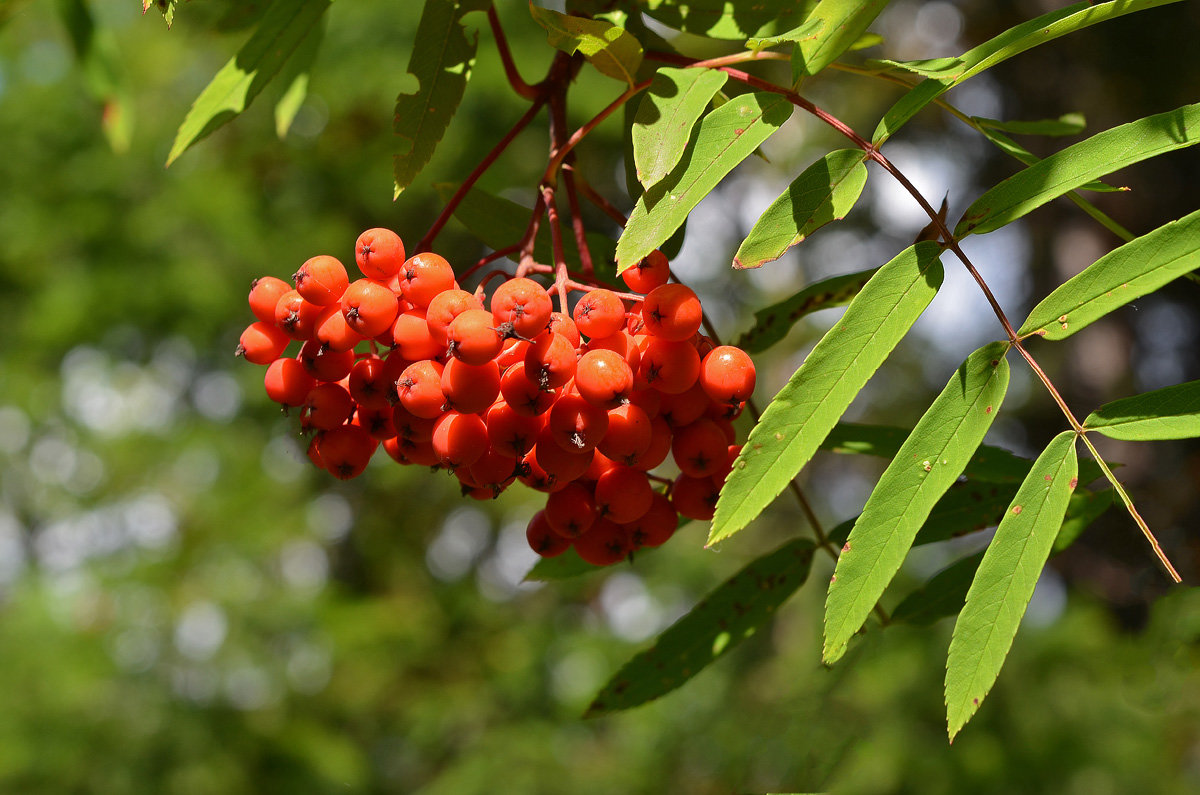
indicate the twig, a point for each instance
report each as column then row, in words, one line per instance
column 522, row 88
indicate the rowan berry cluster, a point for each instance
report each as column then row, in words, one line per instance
column 582, row 407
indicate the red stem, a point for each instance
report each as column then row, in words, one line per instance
column 522, row 88
column 473, row 177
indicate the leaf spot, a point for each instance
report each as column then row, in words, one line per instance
column 1073, row 484
column 1016, row 509
column 846, row 548
column 1048, row 477
column 926, row 466
column 778, row 436
column 988, row 410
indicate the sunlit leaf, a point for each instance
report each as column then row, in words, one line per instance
column 722, row 139
column 1131, row 271
column 1079, row 163
column 844, row 21
column 927, row 464
column 1067, row 124
column 297, row 74
column 824, row 192
column 441, row 60
column 1169, row 413
column 929, row 67
column 283, row 28
column 722, row 19
column 726, row 617
column 800, row 417
column 1018, row 152
column 1005, row 580
column 1011, row 42
column 1084, row 508
column 613, row 51
column 809, row 29
column 668, row 111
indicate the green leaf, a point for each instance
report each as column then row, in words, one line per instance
column 1005, row 581
column 942, row 596
column 283, row 28
column 806, row 409
column 809, row 29
column 929, row 67
column 1012, row 42
column 560, row 567
column 726, row 617
column 824, row 192
column 1018, row 152
column 1139, row 267
column 722, row 19
column 844, row 21
column 666, row 115
column 722, row 139
column 773, row 323
column 1068, row 124
column 613, row 51
column 441, row 60
column 990, row 464
column 1169, row 413
column 499, row 222
column 1066, row 170
column 928, row 463
column 1084, row 508
column 297, row 74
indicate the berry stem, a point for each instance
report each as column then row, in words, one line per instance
column 585, row 253
column 495, row 255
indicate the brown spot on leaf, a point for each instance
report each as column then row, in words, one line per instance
column 988, row 410
column 1074, row 482
column 1017, row 509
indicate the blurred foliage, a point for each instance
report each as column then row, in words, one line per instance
column 189, row 608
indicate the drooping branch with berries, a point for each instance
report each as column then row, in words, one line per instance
column 620, row 405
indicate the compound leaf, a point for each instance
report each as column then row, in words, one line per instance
column 1079, row 163
column 824, row 192
column 441, row 60
column 666, row 115
column 1005, row 580
column 1139, row 267
column 1011, row 42
column 722, row 139
column 283, row 28
column 1169, row 413
column 726, row 617
column 806, row 409
column 612, row 50
column 810, row 29
column 927, row 464
column 297, row 74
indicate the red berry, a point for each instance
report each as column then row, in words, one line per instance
column 444, row 307
column 700, row 449
column 656, row 525
column 670, row 367
column 420, row 388
column 379, row 253
column 571, row 511
column 727, row 375
column 550, row 360
column 370, row 307
column 600, row 313
column 623, row 494
column 287, row 382
column 695, row 498
column 524, row 305
column 576, row 424
column 672, row 312
column 470, row 389
column 651, row 272
column 265, row 293
column 603, row 378
column 459, row 439
column 410, row 335
column 321, row 280
column 262, row 343
column 326, row 407
column 297, row 317
column 346, row 450
column 423, row 276
column 604, row 544
column 472, row 337
column 542, row 539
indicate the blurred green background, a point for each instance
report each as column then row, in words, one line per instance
column 186, row 606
